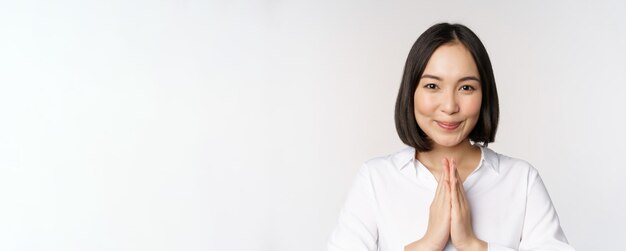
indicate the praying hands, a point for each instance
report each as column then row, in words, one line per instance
column 450, row 217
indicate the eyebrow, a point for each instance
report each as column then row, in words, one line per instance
column 460, row 80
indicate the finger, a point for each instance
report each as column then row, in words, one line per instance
column 457, row 177
column 440, row 191
column 446, row 196
column 455, row 172
column 459, row 195
column 452, row 171
column 440, row 181
column 461, row 188
column 444, row 163
column 446, row 170
column 445, row 181
column 453, row 185
column 438, row 184
column 460, row 185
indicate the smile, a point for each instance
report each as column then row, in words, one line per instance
column 448, row 126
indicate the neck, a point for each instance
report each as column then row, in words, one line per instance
column 461, row 153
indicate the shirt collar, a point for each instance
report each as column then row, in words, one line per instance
column 402, row 158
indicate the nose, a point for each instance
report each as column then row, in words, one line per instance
column 449, row 104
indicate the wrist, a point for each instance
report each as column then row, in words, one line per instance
column 474, row 245
column 422, row 244
column 427, row 245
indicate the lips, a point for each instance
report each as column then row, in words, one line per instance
column 448, row 125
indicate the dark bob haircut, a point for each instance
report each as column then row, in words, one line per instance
column 437, row 35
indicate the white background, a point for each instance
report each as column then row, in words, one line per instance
column 232, row 125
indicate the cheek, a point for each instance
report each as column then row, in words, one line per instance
column 424, row 104
column 472, row 107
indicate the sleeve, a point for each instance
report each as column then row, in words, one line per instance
column 542, row 229
column 357, row 229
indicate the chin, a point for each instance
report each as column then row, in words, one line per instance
column 448, row 143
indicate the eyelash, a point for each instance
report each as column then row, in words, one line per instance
column 473, row 89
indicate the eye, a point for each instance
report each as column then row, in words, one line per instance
column 468, row 88
column 430, row 86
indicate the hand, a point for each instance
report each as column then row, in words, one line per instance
column 461, row 232
column 438, row 231
column 449, row 216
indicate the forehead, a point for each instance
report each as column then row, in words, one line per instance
column 451, row 60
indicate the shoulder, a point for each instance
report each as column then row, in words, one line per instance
column 507, row 164
column 397, row 160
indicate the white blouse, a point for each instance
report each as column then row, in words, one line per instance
column 388, row 205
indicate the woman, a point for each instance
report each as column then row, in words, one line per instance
column 447, row 190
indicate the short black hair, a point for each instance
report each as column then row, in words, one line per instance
column 439, row 34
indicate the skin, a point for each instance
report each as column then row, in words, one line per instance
column 449, row 91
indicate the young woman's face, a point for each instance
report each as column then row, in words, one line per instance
column 448, row 95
